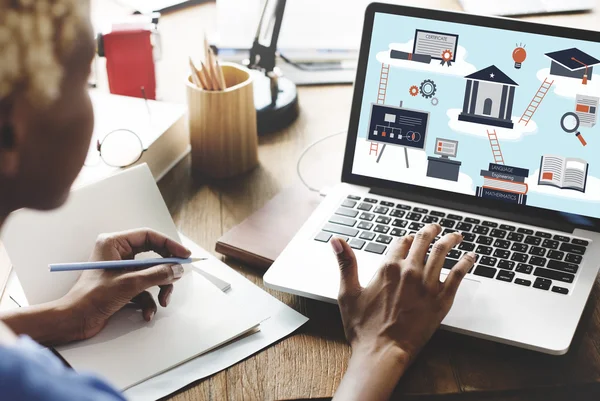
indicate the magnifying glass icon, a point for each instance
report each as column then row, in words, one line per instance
column 570, row 124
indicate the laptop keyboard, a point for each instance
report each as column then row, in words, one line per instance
column 505, row 252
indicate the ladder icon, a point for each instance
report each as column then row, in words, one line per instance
column 383, row 82
column 381, row 93
column 536, row 101
column 495, row 144
column 374, row 148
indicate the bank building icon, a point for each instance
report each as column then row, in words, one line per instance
column 489, row 97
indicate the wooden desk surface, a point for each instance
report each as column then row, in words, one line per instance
column 310, row 364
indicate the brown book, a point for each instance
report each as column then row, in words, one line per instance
column 259, row 239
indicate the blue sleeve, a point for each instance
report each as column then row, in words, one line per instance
column 31, row 372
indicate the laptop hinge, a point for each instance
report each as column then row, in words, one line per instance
column 550, row 224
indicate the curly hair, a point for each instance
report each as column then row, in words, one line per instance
column 35, row 38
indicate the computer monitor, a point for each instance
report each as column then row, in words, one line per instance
column 445, row 147
column 499, row 88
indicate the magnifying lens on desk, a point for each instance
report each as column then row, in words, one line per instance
column 570, row 124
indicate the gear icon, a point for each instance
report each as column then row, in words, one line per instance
column 414, row 91
column 435, row 101
column 428, row 88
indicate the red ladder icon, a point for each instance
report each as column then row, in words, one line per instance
column 381, row 93
column 495, row 144
column 374, row 148
column 536, row 101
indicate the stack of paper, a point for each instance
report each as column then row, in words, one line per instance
column 5, row 269
column 129, row 350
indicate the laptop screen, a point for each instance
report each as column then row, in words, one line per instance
column 491, row 113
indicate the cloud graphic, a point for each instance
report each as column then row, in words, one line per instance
column 570, row 87
column 459, row 68
column 505, row 134
column 392, row 167
column 592, row 189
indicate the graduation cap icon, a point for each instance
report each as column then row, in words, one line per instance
column 572, row 63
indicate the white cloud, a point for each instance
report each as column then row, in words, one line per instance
column 592, row 189
column 392, row 166
column 570, row 87
column 459, row 68
column 504, row 134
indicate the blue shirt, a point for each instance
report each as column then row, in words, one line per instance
column 31, row 372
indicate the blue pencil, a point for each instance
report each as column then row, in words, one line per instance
column 121, row 264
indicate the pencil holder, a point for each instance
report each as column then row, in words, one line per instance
column 223, row 130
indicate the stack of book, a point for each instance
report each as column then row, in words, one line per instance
column 505, row 183
column 161, row 126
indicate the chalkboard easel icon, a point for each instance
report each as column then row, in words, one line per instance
column 398, row 126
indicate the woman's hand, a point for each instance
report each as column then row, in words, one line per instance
column 388, row 322
column 98, row 294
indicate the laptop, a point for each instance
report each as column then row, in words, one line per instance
column 488, row 127
column 526, row 7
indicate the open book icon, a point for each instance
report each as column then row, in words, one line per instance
column 563, row 172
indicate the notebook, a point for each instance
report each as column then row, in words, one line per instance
column 259, row 239
column 128, row 351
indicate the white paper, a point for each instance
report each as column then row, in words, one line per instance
column 283, row 321
column 33, row 239
column 129, row 350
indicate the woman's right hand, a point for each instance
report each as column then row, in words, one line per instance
column 391, row 319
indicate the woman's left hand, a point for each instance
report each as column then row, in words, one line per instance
column 98, row 294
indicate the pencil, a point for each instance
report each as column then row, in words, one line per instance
column 202, row 77
column 221, row 76
column 213, row 69
column 195, row 76
column 121, row 264
column 208, row 60
column 206, row 73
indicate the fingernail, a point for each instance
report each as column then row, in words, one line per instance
column 177, row 271
column 151, row 316
column 472, row 255
column 168, row 298
column 337, row 246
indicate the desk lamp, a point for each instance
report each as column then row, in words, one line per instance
column 275, row 97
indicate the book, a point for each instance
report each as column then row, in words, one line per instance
column 488, row 193
column 501, row 168
column 563, row 172
column 129, row 350
column 161, row 126
column 502, row 176
column 261, row 238
column 507, row 186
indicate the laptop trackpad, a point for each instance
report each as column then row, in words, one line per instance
column 463, row 303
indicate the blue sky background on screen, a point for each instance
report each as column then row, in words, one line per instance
column 479, row 48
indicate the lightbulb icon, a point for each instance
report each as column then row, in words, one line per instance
column 519, row 55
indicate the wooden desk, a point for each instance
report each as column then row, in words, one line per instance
column 310, row 364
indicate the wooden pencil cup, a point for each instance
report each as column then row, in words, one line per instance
column 223, row 131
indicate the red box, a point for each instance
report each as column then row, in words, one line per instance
column 130, row 62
